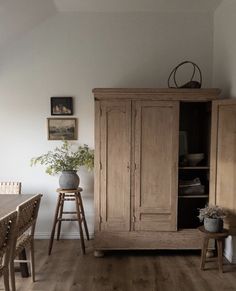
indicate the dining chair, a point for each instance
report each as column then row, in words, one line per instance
column 10, row 188
column 15, row 188
column 7, row 235
column 27, row 214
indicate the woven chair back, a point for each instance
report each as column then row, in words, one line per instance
column 7, row 234
column 27, row 215
column 10, row 188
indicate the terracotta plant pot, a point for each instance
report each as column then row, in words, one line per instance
column 69, row 180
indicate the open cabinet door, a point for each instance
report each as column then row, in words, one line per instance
column 223, row 159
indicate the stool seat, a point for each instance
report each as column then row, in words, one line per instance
column 219, row 237
column 63, row 196
column 60, row 190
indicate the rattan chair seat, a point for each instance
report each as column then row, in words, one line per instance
column 23, row 242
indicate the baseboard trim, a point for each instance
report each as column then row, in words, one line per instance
column 47, row 235
column 230, row 249
column 230, row 257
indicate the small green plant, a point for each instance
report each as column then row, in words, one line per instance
column 65, row 159
column 213, row 211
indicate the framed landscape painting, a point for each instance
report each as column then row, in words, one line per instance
column 62, row 128
column 61, row 106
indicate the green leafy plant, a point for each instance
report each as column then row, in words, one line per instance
column 64, row 158
column 213, row 211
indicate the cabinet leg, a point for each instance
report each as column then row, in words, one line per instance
column 98, row 254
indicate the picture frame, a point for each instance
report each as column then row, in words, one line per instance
column 61, row 106
column 62, row 128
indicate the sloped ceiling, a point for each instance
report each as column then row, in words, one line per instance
column 19, row 16
column 136, row 5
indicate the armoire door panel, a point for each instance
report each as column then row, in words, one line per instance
column 224, row 157
column 115, row 161
column 156, row 161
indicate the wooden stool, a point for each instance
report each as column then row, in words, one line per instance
column 219, row 237
column 69, row 195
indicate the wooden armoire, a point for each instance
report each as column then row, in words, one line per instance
column 137, row 167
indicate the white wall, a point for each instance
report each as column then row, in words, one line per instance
column 224, row 71
column 19, row 16
column 70, row 54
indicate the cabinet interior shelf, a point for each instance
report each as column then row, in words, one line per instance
column 194, row 196
column 195, row 168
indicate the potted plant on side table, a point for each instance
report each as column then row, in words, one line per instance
column 212, row 217
column 66, row 161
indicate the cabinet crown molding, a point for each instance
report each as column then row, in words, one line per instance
column 157, row 94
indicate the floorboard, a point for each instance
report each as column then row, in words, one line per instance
column 68, row 270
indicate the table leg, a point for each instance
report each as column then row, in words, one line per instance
column 54, row 225
column 220, row 254
column 204, row 251
column 23, row 266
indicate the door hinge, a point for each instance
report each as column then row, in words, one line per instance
column 100, row 219
column 100, row 166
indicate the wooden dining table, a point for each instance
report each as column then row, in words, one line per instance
column 9, row 203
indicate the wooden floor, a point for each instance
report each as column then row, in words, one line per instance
column 67, row 270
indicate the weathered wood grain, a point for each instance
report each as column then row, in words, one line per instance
column 68, row 270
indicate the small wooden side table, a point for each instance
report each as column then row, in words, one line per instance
column 69, row 195
column 219, row 237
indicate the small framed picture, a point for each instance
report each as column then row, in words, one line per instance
column 62, row 128
column 61, row 106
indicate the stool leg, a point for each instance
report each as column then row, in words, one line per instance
column 60, row 216
column 220, row 254
column 204, row 251
column 80, row 223
column 83, row 216
column 54, row 224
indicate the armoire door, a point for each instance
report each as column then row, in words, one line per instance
column 223, row 158
column 156, row 165
column 115, row 165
